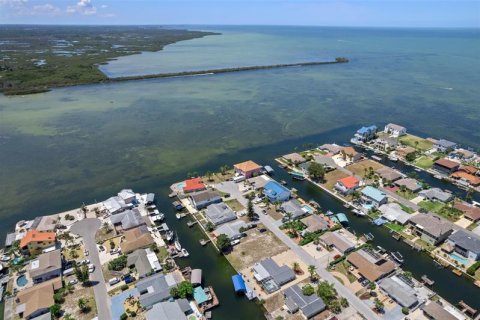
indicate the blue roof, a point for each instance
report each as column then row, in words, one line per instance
column 379, row 221
column 238, row 283
column 199, row 295
column 273, row 189
column 341, row 217
column 373, row 193
column 369, row 129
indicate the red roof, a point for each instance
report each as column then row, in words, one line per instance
column 36, row 236
column 447, row 163
column 193, row 184
column 349, row 182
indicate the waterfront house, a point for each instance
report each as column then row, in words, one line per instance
column 373, row 196
column 386, row 143
column 347, row 185
column 349, row 154
column 466, row 178
column 388, row 174
column 410, row 184
column 371, row 265
column 219, row 213
column 446, row 166
column 233, row 230
column 330, row 148
column 45, row 223
column 127, row 195
column 405, row 152
column 172, row 310
column 205, row 198
column 327, row 162
column 35, row 241
column 156, row 288
column 136, row 238
column 338, row 241
column 259, row 182
column 445, row 146
column 436, row 194
column 144, row 261
column 293, row 208
column 47, row 266
column 193, row 185
column 469, row 169
column 395, row 130
column 462, row 154
column 400, row 290
column 247, row 169
column 114, row 205
column 275, row 192
column 294, row 158
column 127, row 220
column 365, row 134
column 470, row 212
column 271, row 276
column 296, row 300
column 430, row 228
column 37, row 300
column 435, row 311
column 315, row 223
column 465, row 243
column 394, row 213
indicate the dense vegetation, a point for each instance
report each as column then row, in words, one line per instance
column 36, row 58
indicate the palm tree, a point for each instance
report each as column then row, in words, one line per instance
column 82, row 304
column 209, row 175
column 312, row 270
column 296, row 267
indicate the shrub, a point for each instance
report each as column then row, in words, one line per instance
column 405, row 310
column 308, row 290
column 123, row 316
column 58, row 298
column 124, row 287
column 473, row 268
column 118, row 264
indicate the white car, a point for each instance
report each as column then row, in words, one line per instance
column 86, row 261
column 73, row 281
column 86, row 253
column 91, row 268
column 5, row 258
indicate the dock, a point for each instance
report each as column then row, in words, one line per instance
column 204, row 242
column 212, row 303
column 457, row 272
column 471, row 312
column 191, row 223
column 396, row 236
column 427, row 281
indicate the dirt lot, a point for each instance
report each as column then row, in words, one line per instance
column 235, row 205
column 71, row 303
column 332, row 177
column 76, row 253
column 359, row 167
column 255, row 247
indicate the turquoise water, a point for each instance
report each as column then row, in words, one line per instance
column 307, row 209
column 458, row 258
column 83, row 144
column 22, row 281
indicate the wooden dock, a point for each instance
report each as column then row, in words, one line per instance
column 212, row 303
column 427, row 281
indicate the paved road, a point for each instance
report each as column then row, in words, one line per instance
column 87, row 228
column 271, row 224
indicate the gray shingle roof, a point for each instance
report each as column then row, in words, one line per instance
column 140, row 260
column 445, row 143
column 432, row 224
column 128, row 219
column 436, row 194
column 170, row 310
column 219, row 213
column 45, row 263
column 310, row 305
column 399, row 291
column 466, row 240
column 155, row 289
column 279, row 274
column 294, row 207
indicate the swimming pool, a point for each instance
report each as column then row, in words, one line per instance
column 458, row 258
column 307, row 209
column 22, row 281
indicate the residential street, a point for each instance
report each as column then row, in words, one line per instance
column 355, row 302
column 87, row 228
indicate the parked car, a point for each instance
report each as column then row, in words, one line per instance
column 86, row 253
column 91, row 267
column 234, row 242
column 264, row 212
column 128, row 279
column 73, row 281
column 113, row 281
column 262, row 230
column 86, row 261
column 101, row 248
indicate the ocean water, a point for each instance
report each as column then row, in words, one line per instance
column 82, row 144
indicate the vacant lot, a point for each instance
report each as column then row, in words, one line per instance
column 360, row 167
column 332, row 177
column 431, row 206
column 255, row 247
column 424, row 162
column 416, row 142
column 235, row 205
column 70, row 305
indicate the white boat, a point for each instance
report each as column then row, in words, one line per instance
column 393, row 158
column 418, row 170
column 359, row 212
column 381, row 249
column 169, row 235
column 177, row 245
column 397, row 256
column 376, row 158
column 185, row 252
column 178, row 216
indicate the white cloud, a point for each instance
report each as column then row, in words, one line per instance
column 84, row 7
column 45, row 10
column 13, row 3
column 103, row 6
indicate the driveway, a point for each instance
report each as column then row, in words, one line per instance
column 87, row 228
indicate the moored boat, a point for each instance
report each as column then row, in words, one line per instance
column 297, row 175
column 185, row 252
column 393, row 158
column 178, row 246
column 397, row 256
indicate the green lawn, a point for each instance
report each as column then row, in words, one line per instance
column 395, row 227
column 405, row 208
column 342, row 267
column 431, row 206
column 472, row 226
column 424, row 162
column 235, row 205
column 410, row 140
column 407, row 194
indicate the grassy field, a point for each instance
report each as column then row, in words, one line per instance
column 407, row 194
column 410, row 140
column 405, row 208
column 431, row 206
column 235, row 205
column 424, row 162
column 332, row 177
column 45, row 56
column 394, row 227
column 359, row 167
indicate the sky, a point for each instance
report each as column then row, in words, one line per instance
column 363, row 13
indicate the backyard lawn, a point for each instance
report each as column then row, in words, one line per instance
column 431, row 206
column 395, row 227
column 342, row 267
column 332, row 177
column 407, row 194
column 441, row 209
column 424, row 162
column 235, row 205
column 405, row 208
column 359, row 167
column 409, row 140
